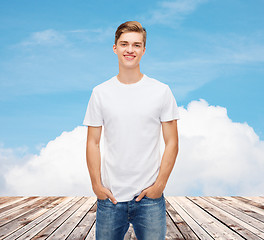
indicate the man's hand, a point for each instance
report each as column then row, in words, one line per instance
column 103, row 193
column 152, row 192
column 170, row 135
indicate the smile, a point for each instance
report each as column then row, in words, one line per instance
column 129, row 57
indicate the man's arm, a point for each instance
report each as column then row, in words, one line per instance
column 170, row 135
column 93, row 159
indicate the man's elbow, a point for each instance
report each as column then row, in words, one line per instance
column 91, row 147
column 92, row 143
column 176, row 149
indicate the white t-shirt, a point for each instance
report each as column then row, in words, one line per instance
column 131, row 116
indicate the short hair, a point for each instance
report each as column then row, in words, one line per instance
column 131, row 26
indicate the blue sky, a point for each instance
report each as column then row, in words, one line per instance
column 52, row 53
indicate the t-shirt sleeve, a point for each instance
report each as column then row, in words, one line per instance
column 93, row 116
column 169, row 109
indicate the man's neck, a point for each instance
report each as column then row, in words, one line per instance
column 129, row 76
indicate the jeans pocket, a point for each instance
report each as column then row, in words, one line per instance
column 154, row 199
column 102, row 200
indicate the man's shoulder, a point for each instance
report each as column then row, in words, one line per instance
column 157, row 83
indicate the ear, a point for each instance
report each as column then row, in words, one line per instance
column 114, row 48
column 144, row 50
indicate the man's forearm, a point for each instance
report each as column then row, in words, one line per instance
column 93, row 159
column 167, row 164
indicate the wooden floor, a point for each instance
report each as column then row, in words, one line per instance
column 187, row 218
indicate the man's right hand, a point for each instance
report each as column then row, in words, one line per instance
column 103, row 193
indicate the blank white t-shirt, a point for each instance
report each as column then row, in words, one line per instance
column 131, row 116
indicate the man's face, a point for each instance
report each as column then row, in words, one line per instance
column 129, row 49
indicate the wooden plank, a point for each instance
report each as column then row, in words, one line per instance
column 14, row 206
column 84, row 226
column 10, row 200
column 29, row 226
column 233, row 223
column 258, row 200
column 5, row 199
column 172, row 231
column 197, row 229
column 67, row 227
column 49, row 220
column 48, row 230
column 216, row 229
column 35, row 212
column 248, row 209
column 244, row 208
column 259, row 206
column 17, row 211
column 130, row 235
column 91, row 234
column 252, row 201
column 236, row 213
column 46, row 217
column 183, row 227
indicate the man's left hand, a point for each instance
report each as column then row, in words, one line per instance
column 151, row 192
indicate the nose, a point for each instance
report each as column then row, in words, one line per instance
column 130, row 48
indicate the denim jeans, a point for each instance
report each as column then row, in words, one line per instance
column 147, row 216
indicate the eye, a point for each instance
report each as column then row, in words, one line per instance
column 123, row 44
column 137, row 45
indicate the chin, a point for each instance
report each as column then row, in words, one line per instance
column 130, row 66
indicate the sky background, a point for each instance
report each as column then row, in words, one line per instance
column 210, row 53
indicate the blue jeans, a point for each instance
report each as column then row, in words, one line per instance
column 147, row 216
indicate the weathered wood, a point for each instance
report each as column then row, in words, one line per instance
column 6, row 201
column 29, row 216
column 91, row 235
column 27, row 226
column 214, row 228
column 255, row 199
column 237, row 214
column 172, row 231
column 242, row 207
column 197, row 229
column 130, row 235
column 190, row 218
column 64, row 230
column 247, row 208
column 252, row 201
column 49, row 220
column 84, row 226
column 225, row 218
column 14, row 206
column 48, row 230
column 16, row 212
column 183, row 227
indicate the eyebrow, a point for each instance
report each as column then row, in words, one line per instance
column 134, row 42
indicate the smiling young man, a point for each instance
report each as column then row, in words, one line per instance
column 130, row 177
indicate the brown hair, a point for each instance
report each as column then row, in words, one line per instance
column 131, row 26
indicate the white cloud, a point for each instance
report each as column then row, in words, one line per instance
column 8, row 157
column 59, row 169
column 69, row 38
column 49, row 37
column 217, row 157
column 168, row 11
column 91, row 35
